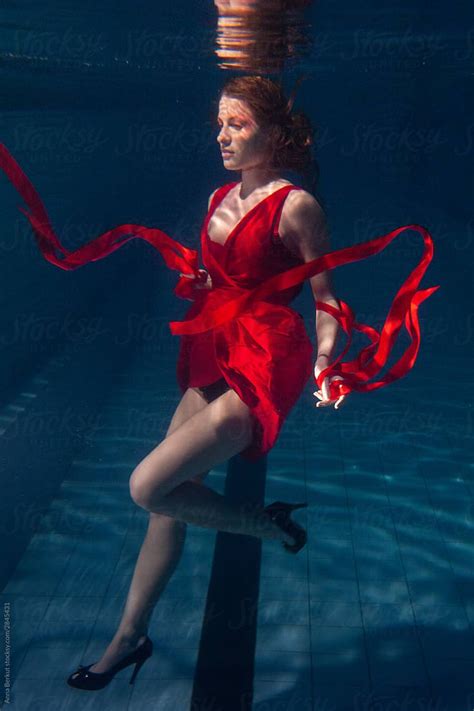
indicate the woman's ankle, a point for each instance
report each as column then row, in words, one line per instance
column 130, row 636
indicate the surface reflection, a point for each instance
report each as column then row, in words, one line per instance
column 261, row 34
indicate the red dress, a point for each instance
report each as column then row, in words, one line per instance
column 266, row 357
column 243, row 328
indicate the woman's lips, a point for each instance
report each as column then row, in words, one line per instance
column 226, row 154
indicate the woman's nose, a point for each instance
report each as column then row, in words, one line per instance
column 222, row 137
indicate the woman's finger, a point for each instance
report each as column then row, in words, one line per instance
column 323, row 401
column 338, row 401
column 324, row 394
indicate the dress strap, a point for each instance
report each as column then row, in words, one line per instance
column 279, row 210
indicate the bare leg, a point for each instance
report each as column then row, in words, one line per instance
column 162, row 482
column 215, row 432
column 158, row 558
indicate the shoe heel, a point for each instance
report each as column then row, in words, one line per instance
column 280, row 512
column 138, row 666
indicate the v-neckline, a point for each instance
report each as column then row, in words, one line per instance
column 243, row 218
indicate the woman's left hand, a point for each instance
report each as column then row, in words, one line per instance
column 323, row 394
column 205, row 284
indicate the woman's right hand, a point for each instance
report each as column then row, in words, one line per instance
column 200, row 285
column 322, row 362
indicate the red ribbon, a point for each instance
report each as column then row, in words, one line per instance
column 355, row 374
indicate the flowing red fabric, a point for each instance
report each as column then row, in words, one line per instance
column 230, row 299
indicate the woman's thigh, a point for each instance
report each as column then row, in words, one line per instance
column 211, row 436
column 193, row 400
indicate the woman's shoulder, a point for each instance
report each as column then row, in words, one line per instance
column 301, row 205
column 225, row 187
column 302, row 212
column 211, row 196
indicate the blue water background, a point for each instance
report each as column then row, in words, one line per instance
column 109, row 110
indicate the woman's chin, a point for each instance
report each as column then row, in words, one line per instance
column 230, row 162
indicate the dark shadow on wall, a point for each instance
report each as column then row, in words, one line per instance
column 54, row 401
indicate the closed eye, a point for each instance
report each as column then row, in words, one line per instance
column 234, row 125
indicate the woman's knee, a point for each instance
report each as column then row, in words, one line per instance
column 141, row 489
column 144, row 488
column 135, row 487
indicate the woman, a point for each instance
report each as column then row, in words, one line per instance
column 245, row 356
column 212, row 423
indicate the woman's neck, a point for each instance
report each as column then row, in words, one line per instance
column 255, row 178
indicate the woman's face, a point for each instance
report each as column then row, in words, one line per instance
column 240, row 134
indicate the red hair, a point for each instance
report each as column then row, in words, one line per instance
column 291, row 135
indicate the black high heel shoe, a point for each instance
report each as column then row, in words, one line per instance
column 91, row 681
column 279, row 512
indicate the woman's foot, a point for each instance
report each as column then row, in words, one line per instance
column 117, row 650
column 280, row 514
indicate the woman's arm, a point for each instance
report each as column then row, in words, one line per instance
column 303, row 228
column 208, row 283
